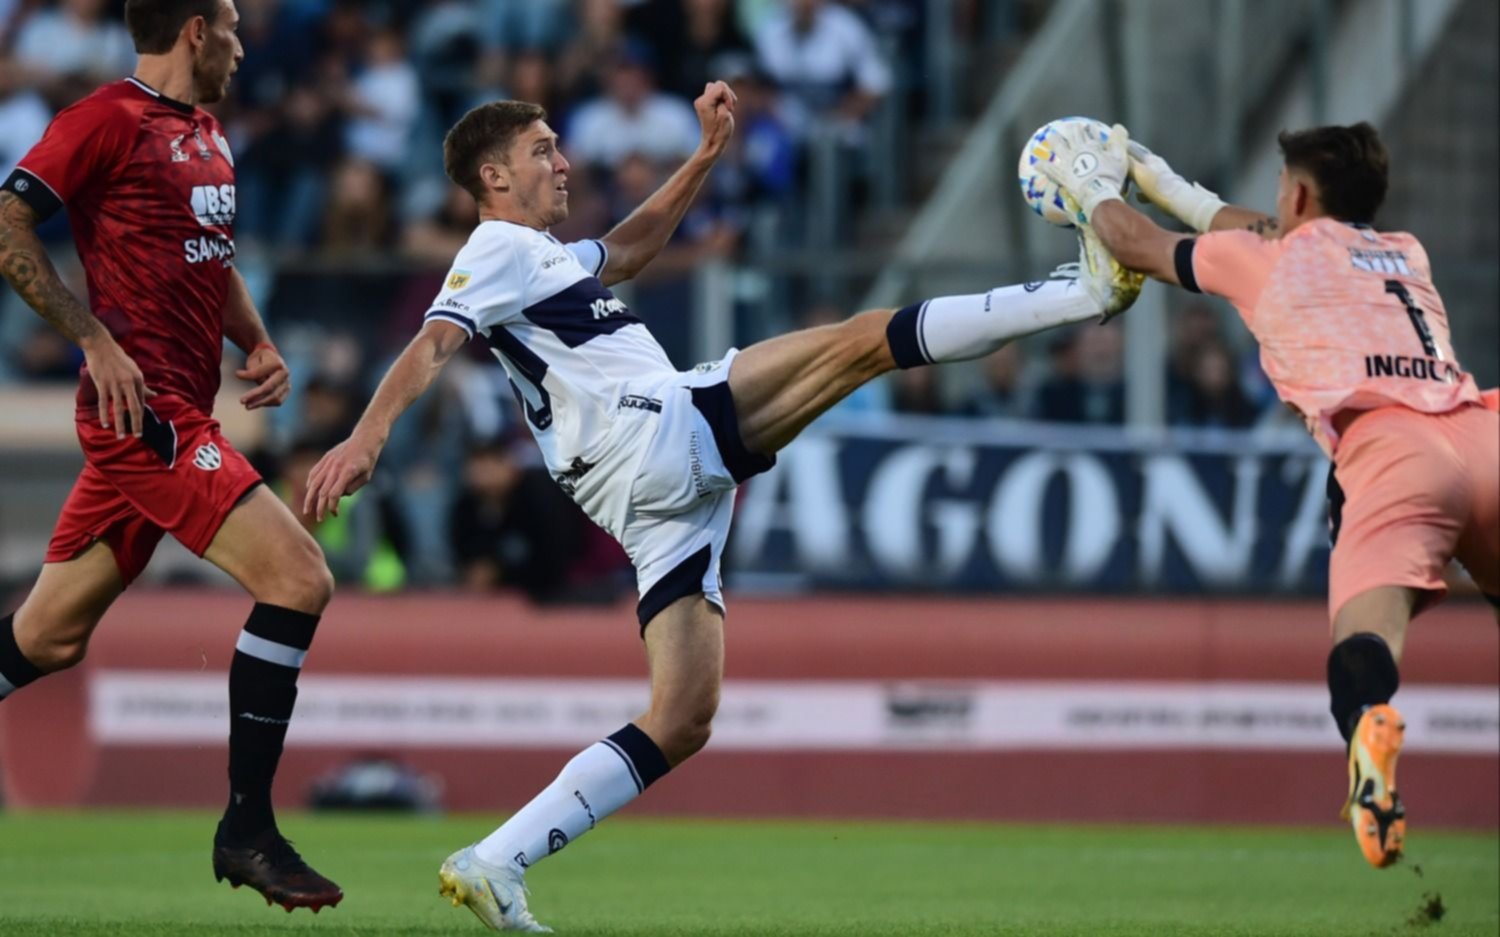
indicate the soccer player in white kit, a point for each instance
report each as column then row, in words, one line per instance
column 652, row 454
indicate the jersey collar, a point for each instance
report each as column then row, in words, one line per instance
column 173, row 103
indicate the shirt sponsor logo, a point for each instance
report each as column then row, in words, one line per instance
column 211, row 247
column 551, row 262
column 637, row 402
column 213, row 205
column 208, row 458
column 459, row 279
column 1423, row 369
column 451, row 303
column 1375, row 261
column 568, row 481
column 181, row 155
column 21, row 185
column 604, row 308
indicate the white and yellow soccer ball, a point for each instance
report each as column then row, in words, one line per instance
column 1042, row 195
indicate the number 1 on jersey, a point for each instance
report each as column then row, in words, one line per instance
column 1418, row 321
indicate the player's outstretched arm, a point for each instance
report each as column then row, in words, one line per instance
column 264, row 366
column 1189, row 202
column 1136, row 241
column 28, row 269
column 635, row 241
column 347, row 467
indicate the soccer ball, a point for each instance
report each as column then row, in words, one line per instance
column 1041, row 193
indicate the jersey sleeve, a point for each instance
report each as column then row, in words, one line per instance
column 83, row 147
column 1231, row 264
column 592, row 254
column 483, row 289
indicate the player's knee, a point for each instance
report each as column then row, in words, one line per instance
column 59, row 652
column 303, row 582
column 690, row 727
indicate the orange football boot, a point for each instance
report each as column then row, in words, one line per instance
column 1374, row 808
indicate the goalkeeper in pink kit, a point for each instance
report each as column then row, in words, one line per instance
column 1354, row 336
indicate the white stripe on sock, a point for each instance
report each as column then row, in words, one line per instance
column 269, row 651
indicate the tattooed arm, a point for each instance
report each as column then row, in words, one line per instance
column 28, row 269
column 1233, row 217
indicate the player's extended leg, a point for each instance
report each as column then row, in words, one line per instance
column 782, row 384
column 1369, row 632
column 685, row 647
column 268, row 552
column 51, row 629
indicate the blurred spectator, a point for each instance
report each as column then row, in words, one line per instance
column 1086, row 384
column 917, row 390
column 759, row 169
column 632, row 117
column 512, row 526
column 826, row 59
column 383, row 104
column 329, row 409
column 23, row 116
column 510, row 25
column 1214, row 396
column 283, row 174
column 590, row 48
column 72, row 48
column 696, row 41
column 1001, row 395
column 278, row 45
column 353, row 540
column 358, row 217
column 436, row 238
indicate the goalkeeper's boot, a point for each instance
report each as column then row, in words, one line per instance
column 1112, row 286
column 495, row 893
column 1374, row 807
column 268, row 863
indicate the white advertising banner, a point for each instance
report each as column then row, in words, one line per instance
column 143, row 707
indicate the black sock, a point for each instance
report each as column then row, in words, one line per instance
column 262, row 692
column 15, row 670
column 1361, row 673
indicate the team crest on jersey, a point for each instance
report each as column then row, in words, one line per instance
column 208, row 458
column 459, row 279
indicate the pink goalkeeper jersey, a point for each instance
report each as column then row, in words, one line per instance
column 1347, row 318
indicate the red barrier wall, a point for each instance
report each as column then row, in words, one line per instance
column 48, row 757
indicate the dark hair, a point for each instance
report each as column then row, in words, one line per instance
column 479, row 134
column 155, row 24
column 1349, row 164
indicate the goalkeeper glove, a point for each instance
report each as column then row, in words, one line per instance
column 1186, row 201
column 1089, row 169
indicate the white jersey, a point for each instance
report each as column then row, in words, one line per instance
column 568, row 345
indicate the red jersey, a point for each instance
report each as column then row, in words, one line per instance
column 149, row 187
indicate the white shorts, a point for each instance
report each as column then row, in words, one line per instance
column 682, row 495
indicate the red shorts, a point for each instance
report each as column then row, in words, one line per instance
column 1418, row 490
column 181, row 476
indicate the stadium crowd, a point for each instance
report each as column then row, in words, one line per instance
column 337, row 116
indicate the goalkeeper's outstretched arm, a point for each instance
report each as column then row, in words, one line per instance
column 1138, row 242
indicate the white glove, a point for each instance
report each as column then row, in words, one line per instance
column 1089, row 169
column 1186, row 201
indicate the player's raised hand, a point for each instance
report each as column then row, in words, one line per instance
column 1165, row 188
column 345, row 469
column 1089, row 166
column 122, row 388
column 273, row 381
column 715, row 107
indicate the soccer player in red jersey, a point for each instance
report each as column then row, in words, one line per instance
column 148, row 179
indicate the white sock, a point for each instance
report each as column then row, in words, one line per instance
column 598, row 781
column 958, row 328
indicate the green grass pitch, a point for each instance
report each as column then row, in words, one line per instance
column 148, row 875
